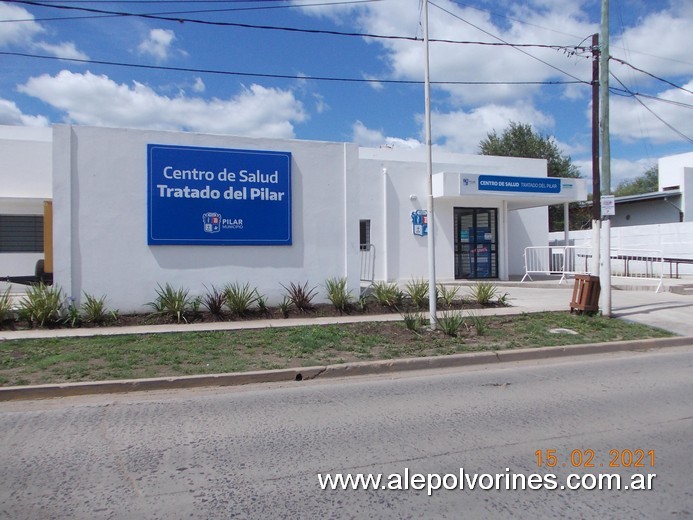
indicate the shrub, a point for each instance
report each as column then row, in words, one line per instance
column 388, row 294
column 447, row 295
column 42, row 304
column 240, row 298
column 214, row 301
column 417, row 290
column 261, row 301
column 170, row 302
column 72, row 317
column 284, row 307
column 338, row 294
column 479, row 324
column 503, row 300
column 300, row 296
column 195, row 304
column 94, row 310
column 414, row 321
column 5, row 306
column 483, row 292
column 450, row 323
column 362, row 302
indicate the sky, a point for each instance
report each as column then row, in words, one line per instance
column 353, row 71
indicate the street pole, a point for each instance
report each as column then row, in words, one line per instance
column 432, row 300
column 605, row 271
column 596, row 188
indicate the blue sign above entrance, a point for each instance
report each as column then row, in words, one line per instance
column 217, row 196
column 519, row 184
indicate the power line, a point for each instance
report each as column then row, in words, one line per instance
column 517, row 47
column 168, row 13
column 283, row 76
column 623, row 62
column 662, row 100
column 665, row 123
column 156, row 16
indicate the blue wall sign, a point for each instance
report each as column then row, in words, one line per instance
column 217, row 196
column 419, row 222
column 519, row 184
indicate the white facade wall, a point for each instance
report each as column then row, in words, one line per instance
column 99, row 181
column 675, row 240
column 645, row 212
column 25, row 163
column 394, row 183
column 100, row 220
column 677, row 170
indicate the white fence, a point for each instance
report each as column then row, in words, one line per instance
column 673, row 240
column 568, row 261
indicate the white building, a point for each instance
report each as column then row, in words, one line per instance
column 25, row 182
column 667, row 205
column 137, row 208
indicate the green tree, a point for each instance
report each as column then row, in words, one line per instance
column 645, row 183
column 520, row 140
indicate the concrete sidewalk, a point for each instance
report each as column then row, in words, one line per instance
column 638, row 303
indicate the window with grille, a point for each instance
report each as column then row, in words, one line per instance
column 21, row 233
column 365, row 233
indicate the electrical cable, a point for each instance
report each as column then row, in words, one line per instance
column 287, row 29
column 504, row 42
column 284, row 76
column 665, row 123
column 196, row 11
column 623, row 62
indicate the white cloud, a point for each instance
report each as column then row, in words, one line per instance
column 458, row 131
column 24, row 32
column 365, row 136
column 199, row 85
column 462, row 131
column 621, row 170
column 657, row 43
column 99, row 101
column 631, row 121
column 373, row 82
column 63, row 50
column 21, row 32
column 10, row 114
column 653, row 39
column 454, row 62
column 158, row 44
column 627, row 170
column 320, row 103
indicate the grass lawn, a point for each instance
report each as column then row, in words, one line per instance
column 41, row 361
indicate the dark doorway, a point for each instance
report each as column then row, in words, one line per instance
column 476, row 243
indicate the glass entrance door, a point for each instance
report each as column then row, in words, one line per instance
column 476, row 243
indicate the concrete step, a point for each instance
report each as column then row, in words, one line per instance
column 685, row 289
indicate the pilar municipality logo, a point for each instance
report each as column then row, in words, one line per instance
column 212, row 222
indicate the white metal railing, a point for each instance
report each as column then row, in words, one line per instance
column 368, row 263
column 554, row 260
column 645, row 264
column 577, row 260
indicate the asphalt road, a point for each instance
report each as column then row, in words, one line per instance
column 256, row 451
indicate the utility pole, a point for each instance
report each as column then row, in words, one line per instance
column 605, row 271
column 596, row 186
column 432, row 300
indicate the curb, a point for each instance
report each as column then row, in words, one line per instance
column 333, row 371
